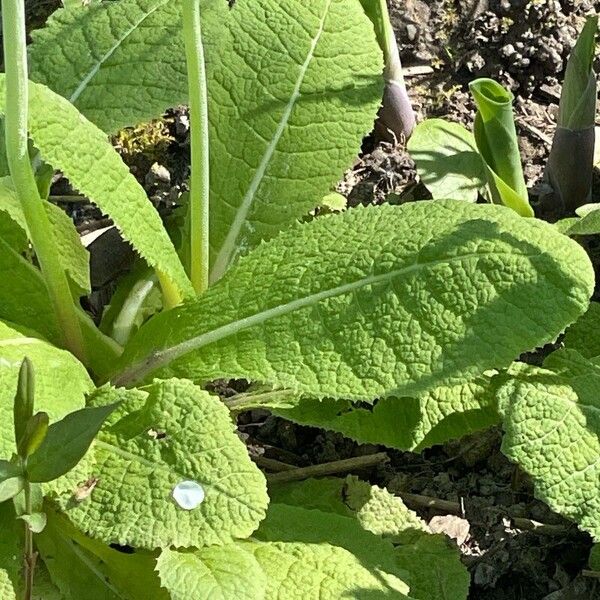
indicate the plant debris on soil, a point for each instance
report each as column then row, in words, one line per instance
column 514, row 546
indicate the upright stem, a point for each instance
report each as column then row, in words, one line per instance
column 16, row 114
column 200, row 175
column 30, row 557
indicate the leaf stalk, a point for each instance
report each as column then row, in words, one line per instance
column 16, row 140
column 199, row 138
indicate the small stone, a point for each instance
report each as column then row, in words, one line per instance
column 188, row 495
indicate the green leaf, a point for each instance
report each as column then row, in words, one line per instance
column 448, row 161
column 61, row 381
column 431, row 418
column 74, row 258
column 21, row 280
column 12, row 234
column 36, row 522
column 24, row 402
column 584, row 334
column 496, row 139
column 170, row 433
column 10, row 552
column 577, row 108
column 66, row 443
column 69, row 142
column 320, row 571
column 594, row 561
column 389, row 300
column 84, row 568
column 11, row 487
column 432, row 564
column 552, row 429
column 229, row 572
column 34, row 434
column 283, row 129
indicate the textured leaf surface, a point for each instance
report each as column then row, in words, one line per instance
column 584, row 334
column 376, row 301
column 71, row 143
column 433, row 568
column 24, row 300
column 84, row 568
column 229, row 572
column 10, row 564
column 320, row 572
column 552, row 429
column 61, row 382
column 170, row 433
column 74, row 258
column 448, row 161
column 431, row 418
column 287, row 115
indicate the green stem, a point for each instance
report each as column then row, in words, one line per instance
column 17, row 105
column 200, row 170
column 30, row 557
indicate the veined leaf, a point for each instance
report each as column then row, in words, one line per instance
column 21, row 280
column 85, row 568
column 320, row 571
column 71, row 143
column 74, row 258
column 380, row 513
column 283, row 128
column 428, row 419
column 584, row 334
column 448, row 161
column 12, row 235
column 171, row 433
column 552, row 429
column 61, row 381
column 229, row 572
column 377, row 301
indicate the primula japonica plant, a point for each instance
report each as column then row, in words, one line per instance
column 412, row 309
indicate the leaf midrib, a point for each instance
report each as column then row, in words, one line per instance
column 97, row 66
column 163, row 357
column 227, row 251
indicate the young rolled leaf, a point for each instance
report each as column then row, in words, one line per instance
column 277, row 139
column 552, row 430
column 66, row 443
column 571, row 162
column 61, row 381
column 496, row 139
column 448, row 161
column 376, row 301
column 34, row 434
column 171, row 434
column 71, row 143
column 396, row 114
column 24, row 402
column 431, row 418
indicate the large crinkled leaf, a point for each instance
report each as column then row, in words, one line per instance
column 293, row 87
column 61, row 382
column 84, row 568
column 552, row 429
column 379, row 512
column 73, row 257
column 71, row 143
column 120, row 63
column 376, row 301
column 229, row 572
column 305, row 89
column 447, row 159
column 170, row 433
column 320, row 571
column 417, row 423
column 24, row 300
column 584, row 334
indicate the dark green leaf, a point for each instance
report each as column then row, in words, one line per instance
column 66, row 443
column 24, row 399
column 9, row 488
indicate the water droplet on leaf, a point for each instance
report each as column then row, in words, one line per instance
column 188, row 494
